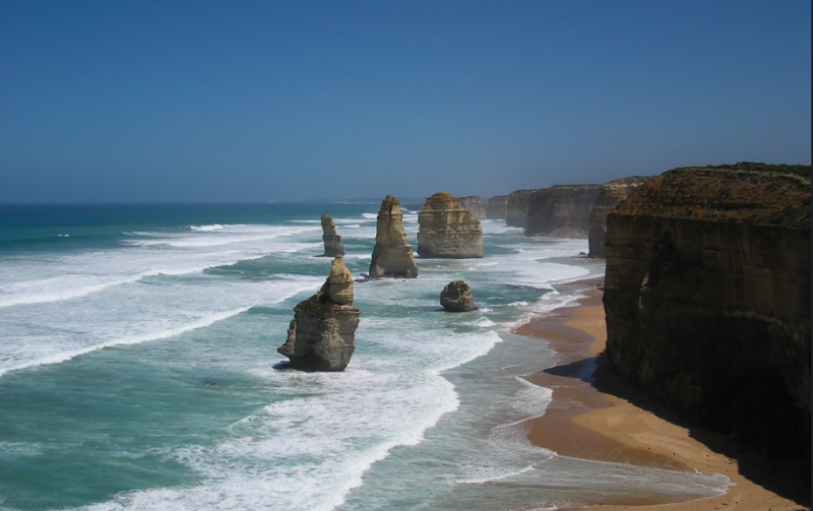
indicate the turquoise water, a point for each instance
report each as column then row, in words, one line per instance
column 137, row 369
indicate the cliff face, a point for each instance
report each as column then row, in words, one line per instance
column 448, row 230
column 332, row 241
column 496, row 207
column 609, row 195
column 516, row 208
column 321, row 337
column 707, row 299
column 561, row 211
column 474, row 205
column 392, row 255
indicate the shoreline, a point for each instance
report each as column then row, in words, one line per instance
column 595, row 414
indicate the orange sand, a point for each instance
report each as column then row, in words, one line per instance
column 622, row 424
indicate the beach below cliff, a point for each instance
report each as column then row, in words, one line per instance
column 595, row 414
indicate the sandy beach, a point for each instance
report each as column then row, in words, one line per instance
column 597, row 415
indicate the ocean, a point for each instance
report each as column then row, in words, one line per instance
column 139, row 371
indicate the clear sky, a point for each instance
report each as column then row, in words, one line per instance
column 238, row 101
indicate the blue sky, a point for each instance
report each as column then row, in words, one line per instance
column 203, row 101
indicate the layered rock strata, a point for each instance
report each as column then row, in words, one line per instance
column 457, row 297
column 321, row 337
column 496, row 207
column 609, row 195
column 474, row 205
column 707, row 298
column 392, row 255
column 332, row 241
column 516, row 208
column 448, row 230
column 561, row 211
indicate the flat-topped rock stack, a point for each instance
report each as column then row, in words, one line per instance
column 474, row 204
column 322, row 335
column 447, row 230
column 333, row 242
column 496, row 207
column 516, row 207
column 392, row 255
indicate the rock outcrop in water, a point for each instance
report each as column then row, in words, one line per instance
column 448, row 230
column 392, row 255
column 474, row 205
column 332, row 241
column 707, row 298
column 561, row 211
column 516, row 208
column 457, row 297
column 322, row 335
column 496, row 207
column 609, row 195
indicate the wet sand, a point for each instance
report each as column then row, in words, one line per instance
column 595, row 414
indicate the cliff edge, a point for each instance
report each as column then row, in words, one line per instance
column 707, row 298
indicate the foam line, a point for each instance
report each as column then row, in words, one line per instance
column 68, row 355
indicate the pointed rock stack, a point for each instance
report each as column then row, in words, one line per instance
column 448, row 230
column 392, row 255
column 322, row 335
column 333, row 242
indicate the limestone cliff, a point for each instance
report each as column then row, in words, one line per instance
column 609, row 195
column 561, row 211
column 392, row 255
column 448, row 230
column 321, row 337
column 516, row 208
column 474, row 205
column 496, row 207
column 332, row 241
column 707, row 298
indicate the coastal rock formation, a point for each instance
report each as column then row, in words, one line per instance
column 516, row 208
column 609, row 195
column 448, row 230
column 496, row 207
column 707, row 297
column 561, row 211
column 321, row 337
column 457, row 297
column 392, row 255
column 474, row 205
column 333, row 242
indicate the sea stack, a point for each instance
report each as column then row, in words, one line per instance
column 707, row 298
column 561, row 211
column 447, row 230
column 496, row 207
column 457, row 297
column 516, row 207
column 474, row 204
column 322, row 335
column 333, row 242
column 392, row 255
column 609, row 195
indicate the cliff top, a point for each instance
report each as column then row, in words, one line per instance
column 756, row 193
column 442, row 200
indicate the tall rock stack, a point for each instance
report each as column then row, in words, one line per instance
column 392, row 255
column 474, row 205
column 333, row 242
column 322, row 335
column 516, row 208
column 561, row 211
column 496, row 207
column 609, row 195
column 448, row 230
column 707, row 298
